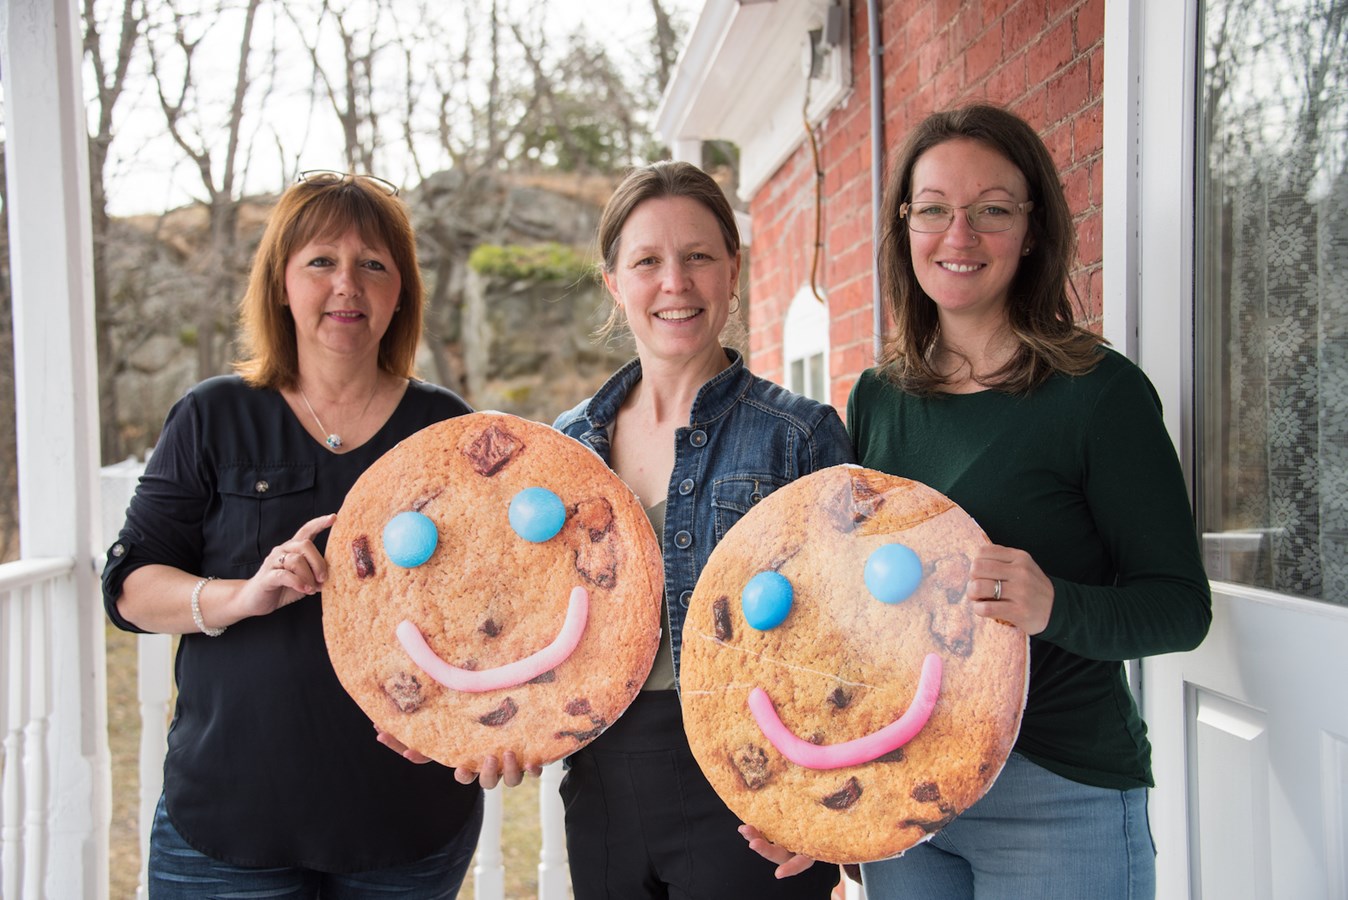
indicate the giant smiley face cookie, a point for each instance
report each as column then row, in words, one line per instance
column 492, row 586
column 838, row 691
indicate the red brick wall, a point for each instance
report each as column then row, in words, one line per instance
column 1043, row 59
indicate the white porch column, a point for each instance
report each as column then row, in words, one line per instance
column 56, row 386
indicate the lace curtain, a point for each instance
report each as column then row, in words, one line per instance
column 1272, row 326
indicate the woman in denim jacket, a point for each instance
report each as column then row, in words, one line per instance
column 700, row 439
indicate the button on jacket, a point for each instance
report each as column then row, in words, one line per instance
column 745, row 438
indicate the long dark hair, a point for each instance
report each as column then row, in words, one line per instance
column 1040, row 307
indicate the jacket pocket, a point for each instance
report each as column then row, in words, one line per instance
column 734, row 495
column 261, row 506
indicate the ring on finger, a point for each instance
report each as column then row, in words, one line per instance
column 281, row 561
column 997, row 590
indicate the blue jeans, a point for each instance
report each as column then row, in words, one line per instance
column 1034, row 836
column 180, row 872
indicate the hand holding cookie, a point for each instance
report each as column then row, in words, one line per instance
column 292, row 570
column 400, row 748
column 788, row 863
column 1007, row 584
column 505, row 771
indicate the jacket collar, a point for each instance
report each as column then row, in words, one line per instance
column 714, row 399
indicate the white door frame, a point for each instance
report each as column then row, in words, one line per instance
column 1250, row 749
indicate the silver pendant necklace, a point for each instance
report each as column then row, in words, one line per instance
column 333, row 439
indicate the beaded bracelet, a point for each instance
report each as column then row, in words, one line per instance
column 196, row 610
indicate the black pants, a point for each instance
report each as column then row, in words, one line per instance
column 642, row 821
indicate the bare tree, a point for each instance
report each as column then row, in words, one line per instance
column 586, row 120
column 219, row 161
column 475, row 104
column 1269, row 63
column 1323, row 43
column 348, row 86
column 473, row 131
column 665, row 43
column 110, row 81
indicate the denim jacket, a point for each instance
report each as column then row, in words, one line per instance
column 745, row 438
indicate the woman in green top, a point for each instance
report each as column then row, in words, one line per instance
column 991, row 393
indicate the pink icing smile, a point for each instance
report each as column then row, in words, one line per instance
column 863, row 749
column 476, row 681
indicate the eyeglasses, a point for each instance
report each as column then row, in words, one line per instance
column 332, row 176
column 989, row 216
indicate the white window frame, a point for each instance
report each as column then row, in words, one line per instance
column 1149, row 198
column 1149, row 233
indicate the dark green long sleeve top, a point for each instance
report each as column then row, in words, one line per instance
column 1081, row 474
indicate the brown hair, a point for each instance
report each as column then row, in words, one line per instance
column 320, row 208
column 1039, row 310
column 660, row 179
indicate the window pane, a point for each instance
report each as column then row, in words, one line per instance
column 797, row 380
column 1272, row 320
column 816, row 385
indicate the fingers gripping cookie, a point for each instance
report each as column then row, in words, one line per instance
column 493, row 586
column 837, row 690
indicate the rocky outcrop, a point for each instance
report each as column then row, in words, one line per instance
column 529, row 346
column 517, row 345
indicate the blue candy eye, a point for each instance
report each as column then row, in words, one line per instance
column 766, row 600
column 892, row 573
column 537, row 514
column 409, row 539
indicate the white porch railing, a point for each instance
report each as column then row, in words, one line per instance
column 29, row 591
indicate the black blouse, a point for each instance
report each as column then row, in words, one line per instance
column 269, row 762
